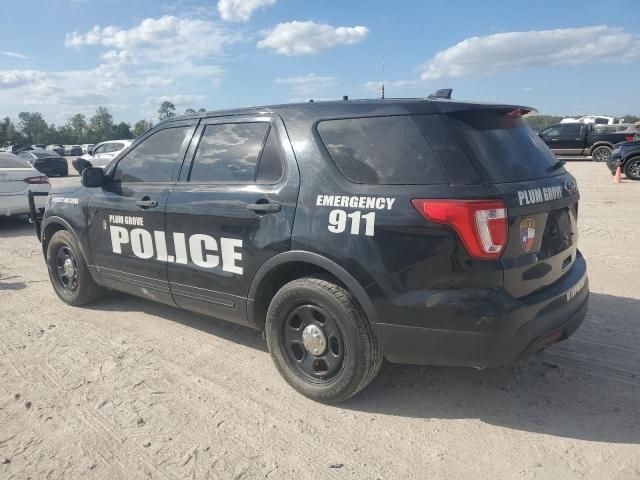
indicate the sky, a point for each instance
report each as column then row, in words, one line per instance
column 62, row 57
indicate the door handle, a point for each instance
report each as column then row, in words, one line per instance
column 264, row 207
column 146, row 203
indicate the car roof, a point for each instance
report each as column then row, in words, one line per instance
column 390, row 106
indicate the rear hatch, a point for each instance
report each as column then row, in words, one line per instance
column 540, row 196
column 16, row 176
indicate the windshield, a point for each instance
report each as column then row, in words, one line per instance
column 505, row 146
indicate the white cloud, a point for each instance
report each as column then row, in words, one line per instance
column 167, row 39
column 19, row 78
column 305, row 38
column 399, row 84
column 486, row 55
column 15, row 55
column 240, row 10
column 307, row 84
column 178, row 100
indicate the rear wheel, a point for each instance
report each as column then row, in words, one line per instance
column 632, row 168
column 68, row 271
column 320, row 340
column 601, row 153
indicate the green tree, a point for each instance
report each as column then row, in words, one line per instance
column 141, row 126
column 79, row 127
column 202, row 110
column 189, row 111
column 101, row 125
column 32, row 127
column 122, row 131
column 166, row 110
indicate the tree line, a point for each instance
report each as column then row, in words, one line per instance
column 31, row 128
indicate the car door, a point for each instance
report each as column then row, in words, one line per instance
column 231, row 211
column 570, row 139
column 126, row 215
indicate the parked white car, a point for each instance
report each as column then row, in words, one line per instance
column 104, row 152
column 597, row 119
column 16, row 179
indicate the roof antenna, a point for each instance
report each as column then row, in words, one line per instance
column 382, row 82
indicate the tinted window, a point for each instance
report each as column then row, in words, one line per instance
column 381, row 150
column 11, row 161
column 100, row 148
column 26, row 155
column 44, row 153
column 505, row 146
column 571, row 129
column 270, row 163
column 153, row 160
column 228, row 152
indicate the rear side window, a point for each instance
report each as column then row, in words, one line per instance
column 228, row 152
column 505, row 146
column 381, row 151
column 154, row 159
column 10, row 161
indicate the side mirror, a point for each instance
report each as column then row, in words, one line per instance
column 93, row 177
column 90, row 151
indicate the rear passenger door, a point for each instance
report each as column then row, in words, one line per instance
column 570, row 139
column 231, row 211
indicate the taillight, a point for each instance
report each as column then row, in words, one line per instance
column 36, row 180
column 629, row 138
column 481, row 224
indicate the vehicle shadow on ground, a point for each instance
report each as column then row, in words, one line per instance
column 585, row 388
column 114, row 302
column 16, row 226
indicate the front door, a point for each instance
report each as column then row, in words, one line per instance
column 230, row 212
column 126, row 216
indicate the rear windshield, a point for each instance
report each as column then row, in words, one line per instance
column 44, row 154
column 11, row 161
column 505, row 146
column 381, row 151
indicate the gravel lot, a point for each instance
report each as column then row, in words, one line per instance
column 132, row 389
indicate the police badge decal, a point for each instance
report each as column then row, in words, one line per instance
column 527, row 234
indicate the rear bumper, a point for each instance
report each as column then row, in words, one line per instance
column 500, row 334
column 18, row 204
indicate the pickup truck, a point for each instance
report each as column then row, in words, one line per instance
column 583, row 140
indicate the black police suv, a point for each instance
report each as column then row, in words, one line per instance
column 425, row 231
column 626, row 156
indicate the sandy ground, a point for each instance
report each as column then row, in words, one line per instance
column 131, row 389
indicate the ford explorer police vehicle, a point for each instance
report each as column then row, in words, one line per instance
column 425, row 231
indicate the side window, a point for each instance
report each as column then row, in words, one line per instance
column 228, row 152
column 153, row 160
column 382, row 151
column 571, row 129
column 270, row 163
column 100, row 149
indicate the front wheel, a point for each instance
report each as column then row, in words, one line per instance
column 320, row 341
column 601, row 154
column 68, row 271
column 632, row 168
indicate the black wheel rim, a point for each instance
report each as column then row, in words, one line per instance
column 634, row 169
column 66, row 267
column 601, row 154
column 307, row 328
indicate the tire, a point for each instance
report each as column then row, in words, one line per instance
column 79, row 288
column 632, row 168
column 351, row 359
column 601, row 153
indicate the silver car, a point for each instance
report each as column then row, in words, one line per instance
column 16, row 179
column 104, row 152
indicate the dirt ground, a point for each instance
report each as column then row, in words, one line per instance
column 131, row 389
